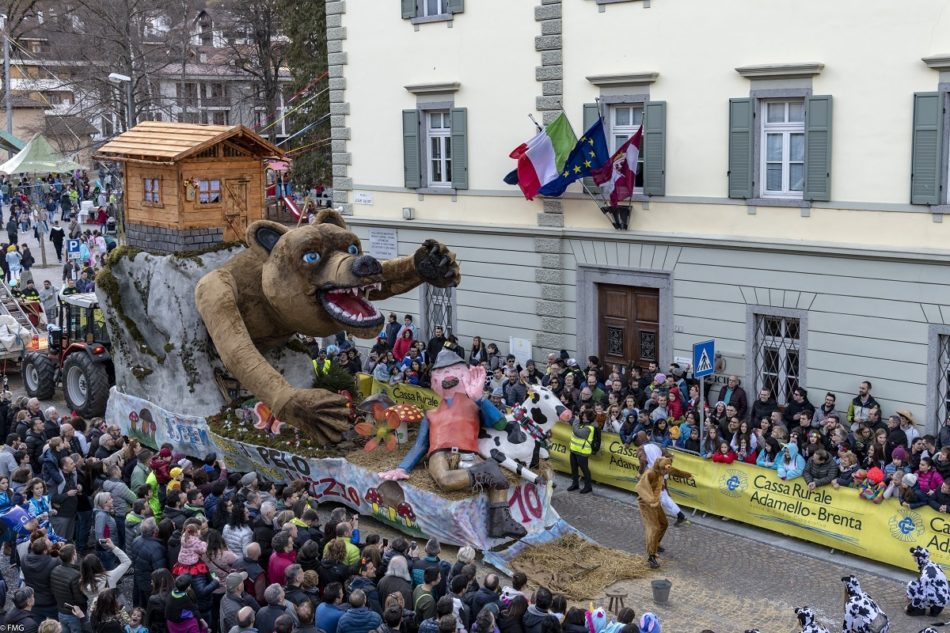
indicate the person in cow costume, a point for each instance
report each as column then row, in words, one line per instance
column 930, row 593
column 806, row 620
column 449, row 436
column 861, row 613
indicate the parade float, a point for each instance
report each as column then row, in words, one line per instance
column 209, row 356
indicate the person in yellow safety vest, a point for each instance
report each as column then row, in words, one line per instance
column 321, row 363
column 582, row 440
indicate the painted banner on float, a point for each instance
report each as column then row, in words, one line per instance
column 411, row 510
column 397, row 503
column 838, row 519
column 153, row 426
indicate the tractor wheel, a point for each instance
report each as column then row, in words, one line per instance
column 39, row 376
column 85, row 385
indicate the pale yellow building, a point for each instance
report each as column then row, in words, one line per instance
column 795, row 180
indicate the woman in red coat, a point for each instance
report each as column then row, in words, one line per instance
column 402, row 345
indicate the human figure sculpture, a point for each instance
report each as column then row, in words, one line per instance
column 448, row 435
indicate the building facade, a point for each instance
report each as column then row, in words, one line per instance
column 787, row 205
column 199, row 84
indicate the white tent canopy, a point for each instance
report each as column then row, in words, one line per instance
column 38, row 157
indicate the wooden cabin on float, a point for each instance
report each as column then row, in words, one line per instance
column 188, row 187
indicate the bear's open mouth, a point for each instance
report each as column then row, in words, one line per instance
column 351, row 306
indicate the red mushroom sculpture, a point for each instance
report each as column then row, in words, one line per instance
column 404, row 510
column 373, row 497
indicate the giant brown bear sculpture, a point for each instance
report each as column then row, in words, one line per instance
column 313, row 280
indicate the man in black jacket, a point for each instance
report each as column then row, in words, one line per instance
column 762, row 407
column 65, row 499
column 487, row 594
column 799, row 411
column 35, row 440
column 148, row 554
column 64, row 581
column 436, row 343
column 37, row 567
column 21, row 617
column 234, row 600
column 263, row 528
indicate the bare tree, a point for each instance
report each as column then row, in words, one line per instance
column 259, row 48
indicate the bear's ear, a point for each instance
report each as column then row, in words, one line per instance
column 264, row 235
column 330, row 216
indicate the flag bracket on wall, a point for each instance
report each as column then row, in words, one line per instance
column 619, row 216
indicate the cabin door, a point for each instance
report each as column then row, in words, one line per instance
column 235, row 209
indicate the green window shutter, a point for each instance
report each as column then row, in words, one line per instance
column 817, row 148
column 926, row 154
column 459, row 118
column 409, row 9
column 455, row 6
column 410, row 148
column 591, row 112
column 741, row 122
column 654, row 148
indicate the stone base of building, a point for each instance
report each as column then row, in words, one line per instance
column 165, row 240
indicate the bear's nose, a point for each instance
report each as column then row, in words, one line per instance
column 366, row 266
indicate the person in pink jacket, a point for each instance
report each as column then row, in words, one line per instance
column 928, row 479
column 192, row 549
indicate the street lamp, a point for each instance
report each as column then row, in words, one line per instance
column 8, row 92
column 117, row 78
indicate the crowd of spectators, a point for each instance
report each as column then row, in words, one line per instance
column 225, row 552
column 856, row 446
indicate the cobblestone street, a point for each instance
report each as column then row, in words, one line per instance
column 726, row 582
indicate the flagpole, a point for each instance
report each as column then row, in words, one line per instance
column 536, row 125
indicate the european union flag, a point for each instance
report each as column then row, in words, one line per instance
column 589, row 154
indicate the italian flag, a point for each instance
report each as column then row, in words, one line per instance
column 541, row 159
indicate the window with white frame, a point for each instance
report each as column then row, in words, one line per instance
column 152, row 188
column 783, row 149
column 624, row 121
column 439, row 148
column 433, row 7
column 209, row 191
column 778, row 357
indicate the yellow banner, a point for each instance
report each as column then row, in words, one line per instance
column 401, row 393
column 837, row 519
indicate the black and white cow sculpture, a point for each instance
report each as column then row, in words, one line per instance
column 529, row 426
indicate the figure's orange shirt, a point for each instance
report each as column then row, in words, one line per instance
column 454, row 425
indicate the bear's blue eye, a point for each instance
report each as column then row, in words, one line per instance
column 311, row 257
column 353, row 249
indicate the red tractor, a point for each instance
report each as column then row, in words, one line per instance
column 77, row 356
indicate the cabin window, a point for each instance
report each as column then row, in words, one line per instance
column 153, row 191
column 209, row 191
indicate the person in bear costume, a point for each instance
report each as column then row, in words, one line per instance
column 648, row 498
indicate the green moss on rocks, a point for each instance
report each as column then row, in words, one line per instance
column 109, row 284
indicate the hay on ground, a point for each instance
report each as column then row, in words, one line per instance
column 577, row 568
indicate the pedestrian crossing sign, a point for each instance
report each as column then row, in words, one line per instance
column 704, row 356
